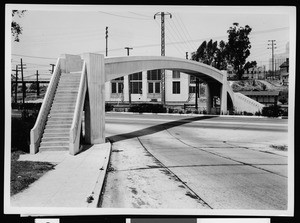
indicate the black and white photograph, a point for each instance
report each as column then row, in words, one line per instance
column 149, row 109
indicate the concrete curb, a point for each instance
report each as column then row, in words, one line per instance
column 96, row 193
column 188, row 115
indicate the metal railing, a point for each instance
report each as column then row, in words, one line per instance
column 38, row 129
column 77, row 118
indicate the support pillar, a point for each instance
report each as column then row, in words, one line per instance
column 95, row 105
column 223, row 98
column 208, row 98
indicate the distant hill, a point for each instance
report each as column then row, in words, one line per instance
column 256, row 85
column 248, row 85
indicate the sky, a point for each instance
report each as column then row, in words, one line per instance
column 49, row 31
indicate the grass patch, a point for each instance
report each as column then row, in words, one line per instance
column 24, row 173
column 280, row 147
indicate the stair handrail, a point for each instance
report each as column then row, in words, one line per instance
column 75, row 127
column 37, row 130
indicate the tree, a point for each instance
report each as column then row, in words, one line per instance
column 249, row 65
column 206, row 53
column 16, row 29
column 238, row 47
column 220, row 60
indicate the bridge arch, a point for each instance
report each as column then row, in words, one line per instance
column 215, row 79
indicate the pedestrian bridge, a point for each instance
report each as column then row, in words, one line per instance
column 77, row 87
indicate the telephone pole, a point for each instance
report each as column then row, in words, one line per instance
column 23, row 84
column 37, row 84
column 106, row 38
column 273, row 47
column 128, row 48
column 129, row 86
column 16, row 84
column 162, row 15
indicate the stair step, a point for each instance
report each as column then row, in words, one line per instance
column 61, row 115
column 57, row 131
column 64, row 100
column 64, row 110
column 55, row 139
column 58, row 125
column 66, row 91
column 54, row 143
column 56, row 134
column 63, row 106
column 53, row 148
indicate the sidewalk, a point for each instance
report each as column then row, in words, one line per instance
column 74, row 181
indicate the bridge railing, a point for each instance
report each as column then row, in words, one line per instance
column 244, row 103
column 38, row 129
column 77, row 118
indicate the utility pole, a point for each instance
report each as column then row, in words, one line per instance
column 162, row 15
column 273, row 47
column 106, row 38
column 52, row 68
column 23, row 84
column 128, row 48
column 129, row 86
column 197, row 93
column 37, row 84
column 16, row 84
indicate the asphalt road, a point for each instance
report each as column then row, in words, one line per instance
column 203, row 162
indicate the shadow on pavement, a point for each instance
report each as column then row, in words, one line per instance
column 155, row 128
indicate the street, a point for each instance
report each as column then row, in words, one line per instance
column 203, row 162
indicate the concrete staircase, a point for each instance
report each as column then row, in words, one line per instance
column 57, row 128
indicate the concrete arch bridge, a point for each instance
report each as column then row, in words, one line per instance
column 78, row 84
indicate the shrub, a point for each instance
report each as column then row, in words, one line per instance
column 271, row 111
column 20, row 131
column 147, row 107
column 108, row 107
column 258, row 113
column 171, row 110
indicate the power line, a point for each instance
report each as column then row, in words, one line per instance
column 179, row 34
column 184, row 33
column 128, row 17
column 178, row 37
column 19, row 55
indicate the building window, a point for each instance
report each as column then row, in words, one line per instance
column 136, row 84
column 154, row 78
column 117, row 85
column 153, row 87
column 192, row 89
column 153, row 75
column 176, row 74
column 176, row 87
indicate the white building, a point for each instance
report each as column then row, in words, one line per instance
column 146, row 87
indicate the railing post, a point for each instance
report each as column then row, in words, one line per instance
column 95, row 105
